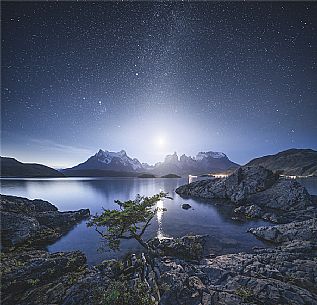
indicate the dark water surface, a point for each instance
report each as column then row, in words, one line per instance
column 225, row 234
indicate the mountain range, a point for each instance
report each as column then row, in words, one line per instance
column 297, row 162
column 202, row 163
column 107, row 161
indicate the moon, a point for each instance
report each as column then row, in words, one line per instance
column 160, row 141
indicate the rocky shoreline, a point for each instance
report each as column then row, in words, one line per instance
column 34, row 222
column 178, row 271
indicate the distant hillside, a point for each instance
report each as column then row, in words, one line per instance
column 146, row 176
column 171, row 176
column 297, row 162
column 10, row 167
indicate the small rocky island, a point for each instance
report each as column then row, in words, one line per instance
column 180, row 271
column 171, row 176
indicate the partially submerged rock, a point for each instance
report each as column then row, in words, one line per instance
column 259, row 193
column 186, row 206
column 25, row 221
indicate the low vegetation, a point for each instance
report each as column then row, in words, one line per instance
column 120, row 293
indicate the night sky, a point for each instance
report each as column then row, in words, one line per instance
column 154, row 78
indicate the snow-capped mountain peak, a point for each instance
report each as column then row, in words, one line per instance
column 106, row 157
column 210, row 154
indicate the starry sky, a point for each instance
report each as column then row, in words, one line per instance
column 157, row 77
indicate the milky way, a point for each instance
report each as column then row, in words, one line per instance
column 235, row 77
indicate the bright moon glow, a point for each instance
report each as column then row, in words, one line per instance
column 160, row 141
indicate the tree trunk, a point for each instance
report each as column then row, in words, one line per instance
column 141, row 242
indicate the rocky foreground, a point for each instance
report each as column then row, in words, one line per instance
column 257, row 193
column 283, row 275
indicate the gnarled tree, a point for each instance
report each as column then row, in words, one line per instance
column 128, row 222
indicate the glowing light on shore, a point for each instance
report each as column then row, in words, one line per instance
column 221, row 175
column 192, row 178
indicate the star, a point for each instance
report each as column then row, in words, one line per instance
column 189, row 68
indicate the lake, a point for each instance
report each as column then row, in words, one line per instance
column 224, row 234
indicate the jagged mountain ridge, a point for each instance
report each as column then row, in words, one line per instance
column 204, row 162
column 108, row 160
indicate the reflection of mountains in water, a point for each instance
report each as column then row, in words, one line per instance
column 128, row 188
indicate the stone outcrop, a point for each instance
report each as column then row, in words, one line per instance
column 25, row 221
column 236, row 187
column 258, row 193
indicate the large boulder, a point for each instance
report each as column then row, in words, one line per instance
column 34, row 221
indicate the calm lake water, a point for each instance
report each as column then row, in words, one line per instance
column 225, row 235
